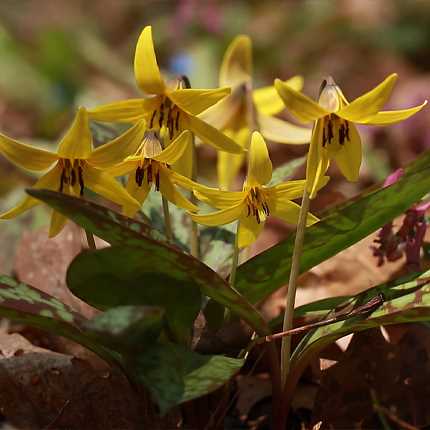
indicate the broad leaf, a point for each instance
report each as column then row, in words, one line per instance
column 119, row 230
column 24, row 304
column 174, row 374
column 268, row 271
column 403, row 302
column 127, row 328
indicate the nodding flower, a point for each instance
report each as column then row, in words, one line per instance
column 74, row 167
column 334, row 135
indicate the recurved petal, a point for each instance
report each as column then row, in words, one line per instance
column 277, row 130
column 249, row 230
column 220, row 199
column 128, row 111
column 370, row 103
column 289, row 190
column 267, row 99
column 176, row 149
column 49, row 181
column 58, row 221
column 25, row 156
column 115, row 151
column 393, row 116
column 228, row 167
column 185, row 164
column 317, row 161
column 195, row 101
column 77, row 143
column 259, row 164
column 301, row 106
column 137, row 192
column 288, row 211
column 220, row 114
column 349, row 156
column 124, row 167
column 102, row 183
column 211, row 135
column 146, row 70
column 169, row 191
column 236, row 65
column 224, row 216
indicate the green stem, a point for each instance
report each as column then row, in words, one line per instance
column 235, row 257
column 194, row 229
column 292, row 286
column 90, row 240
column 167, row 221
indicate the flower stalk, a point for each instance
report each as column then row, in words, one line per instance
column 167, row 220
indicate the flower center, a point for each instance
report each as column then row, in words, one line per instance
column 72, row 172
column 335, row 132
column 257, row 204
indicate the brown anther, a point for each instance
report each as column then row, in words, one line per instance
column 73, row 177
column 161, row 117
column 330, row 131
column 257, row 216
column 157, row 181
column 249, row 210
column 151, row 123
column 177, row 120
column 149, row 173
column 342, row 134
column 347, row 131
column 62, row 181
column 81, row 180
column 140, row 174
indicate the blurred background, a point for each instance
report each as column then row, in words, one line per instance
column 57, row 55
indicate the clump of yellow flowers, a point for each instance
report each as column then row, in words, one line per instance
column 157, row 151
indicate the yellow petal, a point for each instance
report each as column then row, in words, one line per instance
column 58, row 222
column 211, row 135
column 267, row 99
column 236, row 65
column 393, row 116
column 128, row 111
column 105, row 185
column 185, row 164
column 301, row 106
column 370, row 103
column 49, row 181
column 249, row 230
column 195, row 101
column 146, row 70
column 169, row 191
column 140, row 193
column 124, row 167
column 118, row 149
column 228, row 167
column 259, row 164
column 348, row 158
column 288, row 211
column 77, row 143
column 220, row 114
column 276, row 130
column 317, row 161
column 220, row 199
column 225, row 216
column 289, row 190
column 25, row 156
column 176, row 149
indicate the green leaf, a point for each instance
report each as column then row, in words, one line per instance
column 268, row 271
column 99, row 220
column 125, row 232
column 285, row 171
column 404, row 301
column 175, row 375
column 25, row 304
column 127, row 328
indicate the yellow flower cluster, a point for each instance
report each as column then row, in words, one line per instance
column 158, row 150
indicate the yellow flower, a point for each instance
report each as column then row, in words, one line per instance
column 255, row 202
column 76, row 167
column 246, row 110
column 151, row 165
column 335, row 135
column 171, row 106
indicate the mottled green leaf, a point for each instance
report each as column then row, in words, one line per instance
column 268, row 271
column 25, row 304
column 404, row 301
column 286, row 170
column 174, row 375
column 127, row 328
column 119, row 230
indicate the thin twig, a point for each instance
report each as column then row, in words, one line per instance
column 90, row 240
